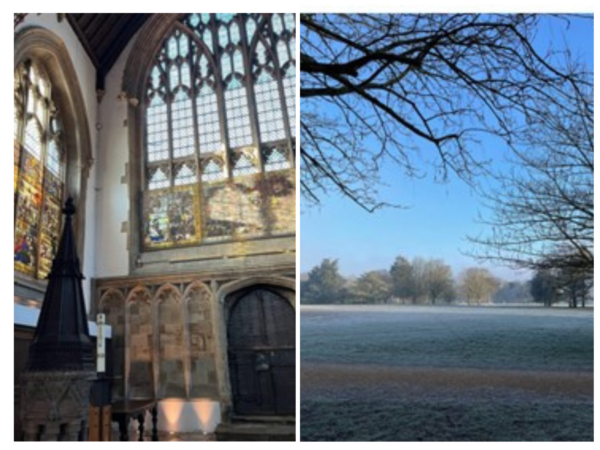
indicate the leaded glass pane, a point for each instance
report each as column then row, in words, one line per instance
column 186, row 124
column 282, row 53
column 226, row 66
column 277, row 21
column 213, row 170
column 261, row 54
column 174, row 77
column 209, row 128
column 172, row 50
column 183, row 46
column 156, row 78
column 157, row 144
column 223, row 36
column 243, row 164
column 182, row 126
column 194, row 20
column 238, row 62
column 208, row 39
column 276, row 158
column 234, row 31
column 250, row 28
column 185, row 173
column 38, row 191
column 186, row 76
column 170, row 217
column 157, row 178
column 290, row 21
column 33, row 138
column 53, row 158
column 225, row 17
column 238, row 120
column 292, row 47
column 270, row 112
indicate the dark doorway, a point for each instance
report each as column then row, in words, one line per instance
column 261, row 333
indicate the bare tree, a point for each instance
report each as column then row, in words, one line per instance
column 438, row 280
column 550, row 285
column 542, row 214
column 401, row 273
column 377, row 88
column 419, row 274
column 374, row 286
column 421, row 280
column 477, row 285
column 545, row 287
column 575, row 287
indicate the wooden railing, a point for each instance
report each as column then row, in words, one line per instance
column 122, row 412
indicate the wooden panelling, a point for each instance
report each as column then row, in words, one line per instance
column 104, row 36
column 23, row 338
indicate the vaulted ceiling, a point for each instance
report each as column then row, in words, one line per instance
column 104, row 37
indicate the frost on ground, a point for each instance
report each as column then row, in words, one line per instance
column 419, row 373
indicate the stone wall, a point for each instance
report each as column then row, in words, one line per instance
column 169, row 332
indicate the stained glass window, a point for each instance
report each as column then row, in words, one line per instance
column 39, row 171
column 220, row 115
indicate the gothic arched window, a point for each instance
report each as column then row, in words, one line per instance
column 39, row 171
column 219, row 130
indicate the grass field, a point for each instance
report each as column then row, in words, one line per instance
column 452, row 373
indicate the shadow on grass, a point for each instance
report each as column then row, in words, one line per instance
column 421, row 421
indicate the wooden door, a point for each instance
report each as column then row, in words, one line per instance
column 261, row 337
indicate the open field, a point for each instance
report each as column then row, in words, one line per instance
column 450, row 373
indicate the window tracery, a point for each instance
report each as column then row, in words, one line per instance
column 219, row 130
column 39, row 171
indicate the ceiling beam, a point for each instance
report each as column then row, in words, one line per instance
column 104, row 37
column 118, row 44
column 83, row 39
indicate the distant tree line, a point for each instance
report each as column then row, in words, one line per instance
column 552, row 285
column 431, row 282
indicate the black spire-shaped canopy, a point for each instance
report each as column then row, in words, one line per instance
column 62, row 340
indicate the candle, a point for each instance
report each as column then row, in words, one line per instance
column 100, row 347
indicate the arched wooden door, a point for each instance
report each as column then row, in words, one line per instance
column 261, row 348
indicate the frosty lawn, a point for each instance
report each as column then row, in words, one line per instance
column 422, row 373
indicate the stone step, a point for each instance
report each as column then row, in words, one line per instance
column 256, row 431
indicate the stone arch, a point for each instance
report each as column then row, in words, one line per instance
column 110, row 297
column 170, row 369
column 48, row 50
column 150, row 37
column 199, row 330
column 287, row 285
column 140, row 359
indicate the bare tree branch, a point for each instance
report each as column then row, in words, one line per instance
column 542, row 216
column 379, row 88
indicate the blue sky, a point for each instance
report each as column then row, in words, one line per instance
column 439, row 217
